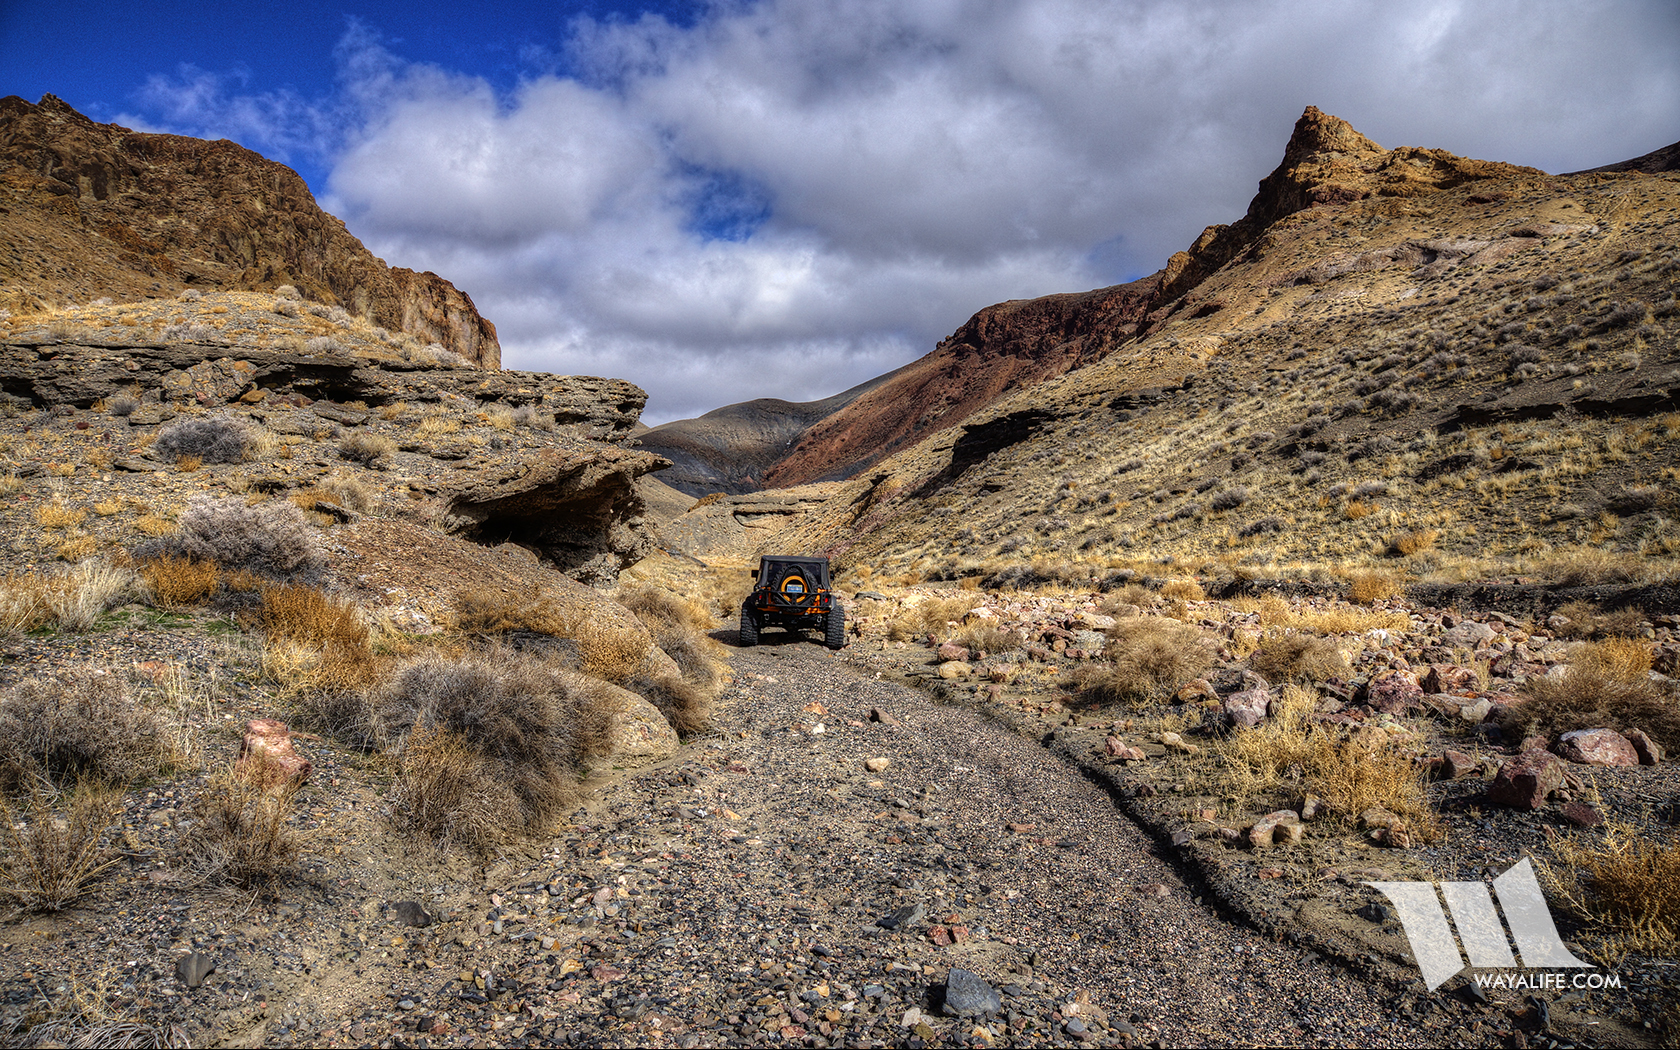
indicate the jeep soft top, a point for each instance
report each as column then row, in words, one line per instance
column 793, row 592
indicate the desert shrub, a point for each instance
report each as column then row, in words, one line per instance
column 318, row 649
column 1259, row 759
column 1367, row 588
column 1229, row 499
column 323, row 344
column 487, row 744
column 1587, row 620
column 347, row 492
column 1187, row 590
column 1354, row 774
column 78, row 597
column 1623, row 314
column 77, row 724
column 987, row 638
column 176, row 582
column 240, row 832
column 678, row 627
column 215, row 440
column 1606, row 685
column 370, row 450
column 1414, row 541
column 23, row 605
column 271, row 539
column 1146, row 658
column 932, row 616
column 287, row 291
column 1260, row 527
column 1287, row 656
column 122, row 405
column 1626, row 883
column 51, row 848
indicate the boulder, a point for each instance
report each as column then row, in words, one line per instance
column 1279, row 828
column 1449, row 678
column 638, row 733
column 1248, row 708
column 1526, row 781
column 1456, row 764
column 1468, row 634
column 1395, row 692
column 267, row 758
column 1650, row 752
column 1598, row 747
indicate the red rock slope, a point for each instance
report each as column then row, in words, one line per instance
column 96, row 210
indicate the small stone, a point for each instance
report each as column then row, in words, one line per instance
column 878, row 715
column 1650, row 753
column 968, row 995
column 1598, row 747
column 953, row 651
column 409, row 913
column 909, row 915
column 1279, row 828
column 1395, row 692
column 1526, row 781
column 1468, row 634
column 1195, row 691
column 877, row 765
column 193, row 968
column 1582, row 815
column 1378, row 817
column 951, row 669
column 1456, row 764
column 1247, row 709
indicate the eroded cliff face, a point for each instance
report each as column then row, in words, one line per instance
column 96, row 210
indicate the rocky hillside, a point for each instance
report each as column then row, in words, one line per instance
column 1396, row 354
column 94, row 211
column 529, row 458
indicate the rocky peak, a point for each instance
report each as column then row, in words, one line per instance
column 107, row 212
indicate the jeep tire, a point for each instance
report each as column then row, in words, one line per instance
column 834, row 626
column 749, row 625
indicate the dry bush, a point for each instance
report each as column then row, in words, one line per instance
column 178, row 582
column 51, row 850
column 1288, row 656
column 931, row 616
column 77, row 599
column 186, row 464
column 1357, row 773
column 1145, row 659
column 347, row 492
column 272, row 539
column 23, row 605
column 436, row 426
column 153, row 525
column 1590, row 566
column 56, row 515
column 1414, row 541
column 78, row 724
column 216, row 440
column 1368, row 588
column 1627, row 883
column 1589, row 621
column 1184, row 590
column 1131, row 594
column 1606, row 686
column 370, row 450
column 318, row 650
column 609, row 653
column 487, row 744
column 1263, row 758
column 604, row 651
column 678, row 627
column 239, row 832
column 987, row 638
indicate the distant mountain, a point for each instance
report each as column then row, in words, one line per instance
column 98, row 211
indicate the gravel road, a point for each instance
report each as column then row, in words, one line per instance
column 737, row 895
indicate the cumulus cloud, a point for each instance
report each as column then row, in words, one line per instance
column 788, row 197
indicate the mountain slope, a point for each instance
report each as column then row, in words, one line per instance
column 1396, row 354
column 98, row 211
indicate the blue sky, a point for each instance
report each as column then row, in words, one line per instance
column 786, row 197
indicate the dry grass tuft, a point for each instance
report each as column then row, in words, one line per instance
column 604, row 651
column 1357, row 773
column 1414, row 541
column 79, row 724
column 1289, row 656
column 1146, row 659
column 1627, row 884
column 239, row 832
column 1266, row 757
column 1606, row 686
column 178, row 582
column 51, row 850
column 57, row 515
column 931, row 616
column 487, row 745
column 1368, row 588
column 1184, row 590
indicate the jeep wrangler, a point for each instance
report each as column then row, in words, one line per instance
column 793, row 593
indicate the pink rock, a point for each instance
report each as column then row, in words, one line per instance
column 267, row 757
column 1195, row 691
column 1395, row 692
column 1456, row 764
column 1448, row 678
column 1248, row 708
column 1526, row 781
column 1279, row 828
column 952, row 651
column 1598, row 747
column 1650, row 752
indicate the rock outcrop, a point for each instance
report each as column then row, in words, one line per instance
column 96, row 210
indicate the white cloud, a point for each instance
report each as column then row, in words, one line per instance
column 791, row 196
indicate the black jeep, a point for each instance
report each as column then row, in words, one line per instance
column 793, row 593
